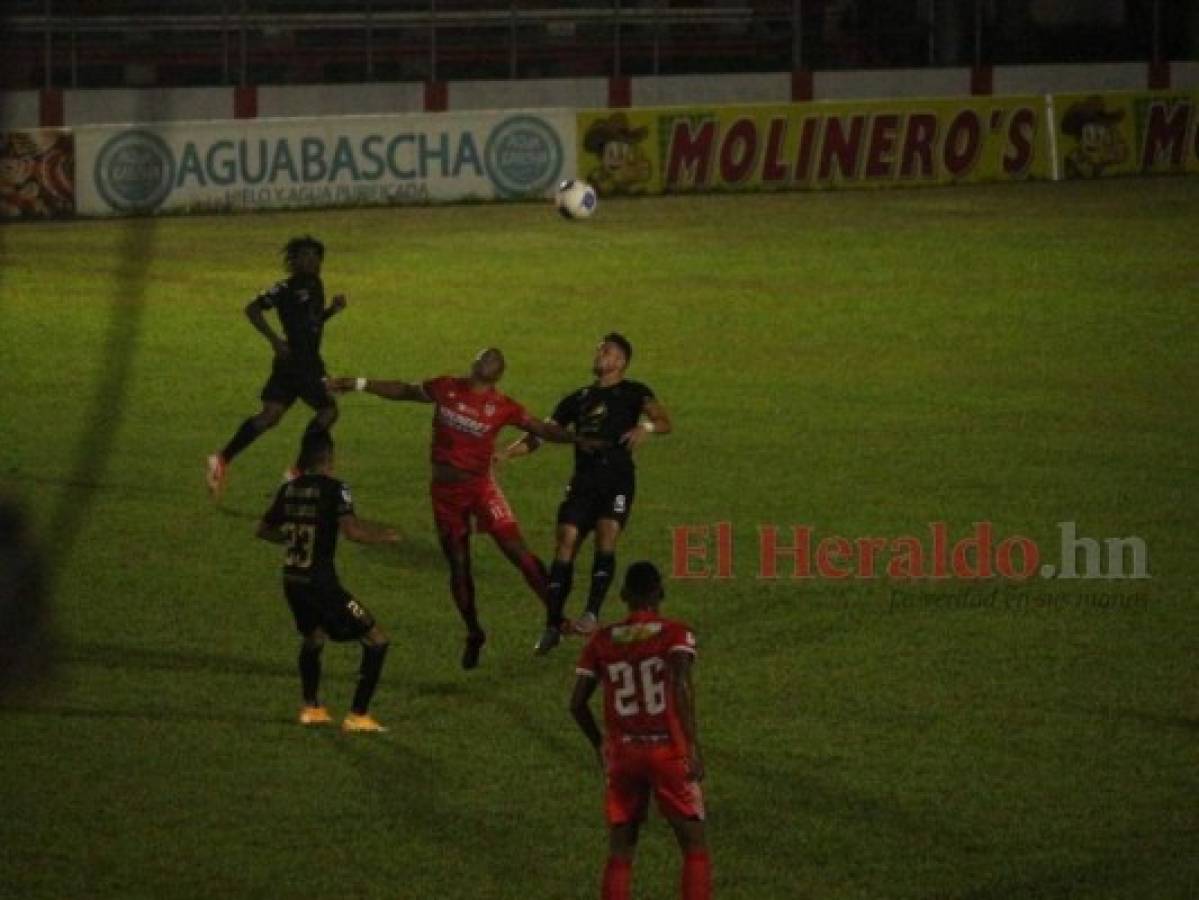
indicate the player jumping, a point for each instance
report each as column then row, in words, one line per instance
column 469, row 414
column 307, row 515
column 298, row 369
column 650, row 744
column 623, row 414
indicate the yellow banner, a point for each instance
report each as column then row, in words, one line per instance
column 1142, row 133
column 814, row 145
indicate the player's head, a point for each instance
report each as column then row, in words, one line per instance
column 316, row 451
column 612, row 355
column 488, row 366
column 642, row 588
column 303, row 254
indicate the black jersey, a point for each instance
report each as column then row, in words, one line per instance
column 605, row 413
column 300, row 303
column 308, row 509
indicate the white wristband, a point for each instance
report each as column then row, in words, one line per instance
column 648, row 426
column 360, row 384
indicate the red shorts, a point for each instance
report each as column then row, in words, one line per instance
column 634, row 770
column 454, row 504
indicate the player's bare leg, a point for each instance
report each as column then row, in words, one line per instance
column 513, row 546
column 312, row 712
column 374, row 651
column 603, row 570
column 618, row 871
column 462, row 586
column 249, row 431
column 697, row 864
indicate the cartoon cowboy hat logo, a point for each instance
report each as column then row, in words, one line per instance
column 623, row 166
column 1100, row 143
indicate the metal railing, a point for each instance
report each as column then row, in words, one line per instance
column 86, row 43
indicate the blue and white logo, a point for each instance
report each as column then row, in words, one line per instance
column 523, row 157
column 135, row 171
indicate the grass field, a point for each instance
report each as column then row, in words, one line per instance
column 863, row 363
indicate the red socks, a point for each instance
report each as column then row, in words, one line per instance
column 618, row 873
column 697, row 876
column 535, row 576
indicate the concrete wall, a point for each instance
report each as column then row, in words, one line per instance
column 884, row 83
column 19, row 109
column 24, row 109
column 681, row 90
column 148, row 105
column 1184, row 74
column 546, row 93
column 295, row 101
column 1070, row 79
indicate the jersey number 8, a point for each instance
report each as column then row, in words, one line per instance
column 653, row 687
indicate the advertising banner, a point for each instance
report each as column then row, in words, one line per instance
column 37, row 174
column 1134, row 133
column 295, row 163
column 814, row 145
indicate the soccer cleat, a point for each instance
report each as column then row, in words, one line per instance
column 315, row 715
column 364, row 723
column 585, row 624
column 214, row 475
column 474, row 645
column 550, row 638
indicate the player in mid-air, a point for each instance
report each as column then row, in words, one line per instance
column 307, row 515
column 649, row 744
column 298, row 370
column 622, row 413
column 469, row 414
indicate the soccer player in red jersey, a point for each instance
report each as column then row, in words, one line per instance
column 650, row 743
column 469, row 414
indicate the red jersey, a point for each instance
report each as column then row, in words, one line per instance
column 630, row 659
column 466, row 422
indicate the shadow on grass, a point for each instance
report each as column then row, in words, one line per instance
column 416, row 798
column 147, row 659
column 143, row 714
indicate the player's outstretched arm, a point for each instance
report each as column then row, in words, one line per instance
column 388, row 390
column 656, row 421
column 551, row 431
column 522, row 447
column 580, row 708
column 336, row 305
column 256, row 313
column 271, row 533
column 362, row 532
column 684, row 702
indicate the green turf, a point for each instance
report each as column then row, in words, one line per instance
column 864, row 363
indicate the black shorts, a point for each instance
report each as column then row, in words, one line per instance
column 288, row 383
column 590, row 498
column 329, row 606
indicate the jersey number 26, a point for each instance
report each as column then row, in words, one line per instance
column 651, row 698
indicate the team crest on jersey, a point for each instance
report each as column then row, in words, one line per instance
column 489, row 409
column 633, row 634
column 302, row 295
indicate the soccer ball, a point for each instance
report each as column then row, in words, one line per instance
column 575, row 199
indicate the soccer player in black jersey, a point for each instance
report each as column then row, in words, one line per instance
column 298, row 369
column 307, row 515
column 622, row 413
